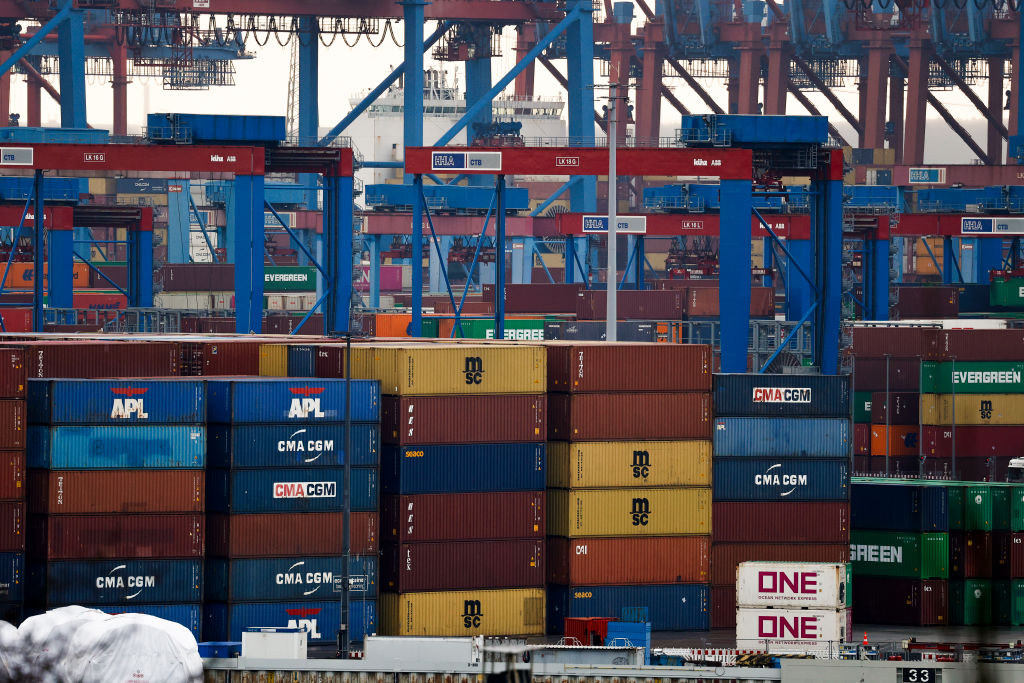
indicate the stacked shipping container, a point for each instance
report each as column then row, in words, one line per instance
column 781, row 446
column 628, row 475
column 12, row 483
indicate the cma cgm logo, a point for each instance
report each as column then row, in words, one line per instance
column 116, row 580
column 302, row 618
column 778, row 395
column 307, row 406
column 295, row 576
column 128, row 407
column 306, row 489
column 774, row 476
column 472, row 613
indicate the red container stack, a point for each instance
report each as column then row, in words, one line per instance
column 12, row 483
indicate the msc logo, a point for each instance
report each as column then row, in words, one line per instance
column 471, row 613
column 302, row 620
column 641, row 511
column 474, row 370
column 986, row 410
column 128, row 407
column 641, row 464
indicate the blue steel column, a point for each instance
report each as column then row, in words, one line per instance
column 179, row 224
column 989, row 254
column 879, row 275
column 499, row 261
column 799, row 293
column 641, row 261
column 140, row 275
column 570, row 260
column 579, row 38
column 373, row 245
column 437, row 265
column 734, row 277
column 247, row 246
column 309, row 98
column 60, row 260
column 948, row 256
column 827, row 236
column 38, row 265
column 478, row 82
column 413, row 80
column 338, row 248
column 416, row 326
column 71, row 51
column 768, row 260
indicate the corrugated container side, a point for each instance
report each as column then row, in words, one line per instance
column 629, row 416
column 862, row 406
column 110, row 491
column 294, row 445
column 599, row 464
column 723, row 607
column 465, row 468
column 633, row 304
column 542, row 298
column 12, row 475
column 12, row 526
column 117, row 447
column 903, row 602
column 463, row 565
column 673, row 607
column 869, row 374
column 288, row 534
column 12, row 424
column 797, row 522
column 602, row 561
column 188, row 615
column 985, row 442
column 87, row 359
column 499, row 418
column 579, row 513
column 781, row 479
column 330, row 361
column 514, row 612
column 116, row 402
column 84, row 537
column 273, row 360
column 782, row 437
column 115, row 582
column 628, row 367
column 1008, row 555
column 225, row 622
column 302, row 360
column 444, row 517
column 13, row 373
column 992, row 377
column 975, row 345
column 970, row 555
column 726, row 556
column 899, row 507
column 898, row 553
column 287, row 400
column 861, row 439
column 905, row 408
column 894, row 440
column 756, row 395
column 286, row 578
column 290, row 490
column 876, row 342
column 12, row 577
column 972, row 409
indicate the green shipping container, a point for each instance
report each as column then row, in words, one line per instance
column 970, row 602
column 978, row 514
column 992, row 377
column 898, row 553
column 1009, row 293
column 1007, row 507
column 514, row 329
column 289, row 279
column 430, row 327
column 1008, row 602
column 862, row 407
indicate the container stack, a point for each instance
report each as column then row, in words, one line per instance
column 629, row 499
column 116, row 490
column 462, row 471
column 13, row 427
column 781, row 455
column 276, row 498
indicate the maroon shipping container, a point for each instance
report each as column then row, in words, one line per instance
column 210, row 325
column 286, row 534
column 796, row 522
column 862, row 439
column 917, row 303
column 468, row 308
column 118, row 274
column 12, row 424
column 632, row 305
column 702, row 302
column 425, row 420
column 877, row 342
column 905, row 407
column 12, row 526
column 627, row 561
column 629, row 416
column 723, row 607
column 197, row 277
column 86, row 537
column 900, row 602
column 12, row 475
column 1007, row 555
column 13, row 373
column 462, row 516
column 976, row 345
column 970, row 554
column 869, row 374
column 462, row 565
column 972, row 441
column 110, row 491
column 726, row 556
column 288, row 324
column 861, row 465
column 547, row 298
column 330, row 361
column 601, row 367
column 231, row 357
column 95, row 359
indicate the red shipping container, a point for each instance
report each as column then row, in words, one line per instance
column 586, row 630
column 288, row 534
column 601, row 367
column 12, row 424
column 462, row 565
column 468, row 308
column 861, row 465
column 899, row 601
column 230, row 357
column 869, row 374
column 425, row 420
column 13, row 373
column 462, row 516
column 330, row 360
column 625, row 561
column 87, row 537
column 12, row 526
column 703, row 302
column 110, row 491
column 99, row 302
column 288, row 324
column 726, row 556
column 862, row 439
column 1007, row 555
column 973, row 441
column 906, row 408
column 592, row 304
column 629, row 416
column 976, row 345
column 16, row 319
column 723, row 607
column 795, row 522
column 119, row 274
column 542, row 298
column 921, row 303
column 970, row 554
column 197, row 277
column 12, row 475
column 95, row 359
column 877, row 342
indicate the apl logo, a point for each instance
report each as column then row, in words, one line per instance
column 472, row 613
column 986, row 410
column 771, row 477
column 302, row 620
column 641, row 464
column 128, row 407
column 641, row 512
column 306, row 407
column 474, row 370
column 310, row 446
column 121, row 582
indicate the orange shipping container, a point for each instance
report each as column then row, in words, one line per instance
column 620, row 561
column 22, row 275
column 903, row 440
column 393, row 324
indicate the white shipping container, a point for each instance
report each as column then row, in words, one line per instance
column 275, row 302
column 815, row 631
column 187, row 301
column 801, row 585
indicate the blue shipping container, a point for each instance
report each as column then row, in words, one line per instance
column 119, row 401
column 294, row 445
column 223, row 621
column 899, row 507
column 291, row 400
column 780, row 479
column 189, row 616
column 672, row 607
column 12, row 577
column 822, row 437
column 757, row 395
column 467, row 468
column 115, row 582
column 289, row 490
column 301, row 360
column 288, row 578
column 121, row 447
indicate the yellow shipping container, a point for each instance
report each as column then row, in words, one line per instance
column 273, row 360
column 102, row 185
column 580, row 513
column 517, row 612
column 426, row 370
column 612, row 464
column 972, row 409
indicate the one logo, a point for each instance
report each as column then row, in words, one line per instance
column 130, row 583
column 471, row 613
column 474, row 370
column 986, row 410
column 641, row 511
column 128, row 407
column 641, row 464
column 302, row 620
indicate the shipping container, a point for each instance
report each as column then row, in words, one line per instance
column 12, row 424
column 330, row 361
column 515, row 612
column 996, row 377
column 861, row 439
column 793, row 630
column 13, row 372
column 862, row 407
column 462, row 468
column 302, row 360
column 444, row 517
column 12, row 475
column 291, row 445
column 1008, row 555
column 900, row 553
column 290, row 490
column 975, row 345
column 1008, row 603
column 605, row 368
column 12, row 577
column 905, row 408
column 274, row 360
column 671, row 607
column 900, row 601
column 972, row 442
column 462, row 565
column 723, row 607
column 593, row 330
column 629, row 416
column 288, row 578
column 581, row 513
column 796, row 585
column 498, row 418
column 602, row 464
column 972, row 409
column 781, row 437
column 725, row 557
column 970, row 555
column 898, row 506
column 117, row 447
column 196, row 277
column 757, row 395
column 320, row 618
column 886, row 374
column 288, row 534
column 84, row 537
column 1007, row 507
column 894, row 440
column 970, row 602
column 617, row 561
column 878, row 342
column 12, row 526
column 541, row 298
column 117, row 402
column 591, row 304
column 188, row 615
column 88, row 359
column 291, row 400
column 109, row 491
column 780, row 479
column 122, row 581
column 230, row 357
column 796, row 522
